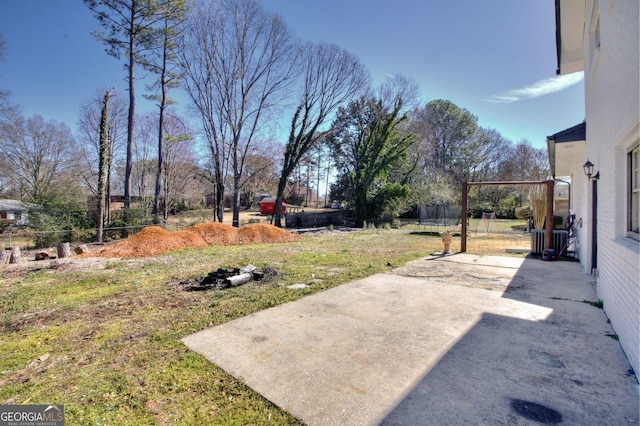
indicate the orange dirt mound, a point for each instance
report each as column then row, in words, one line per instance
column 216, row 233
column 153, row 240
column 262, row 233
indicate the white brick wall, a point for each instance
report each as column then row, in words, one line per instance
column 612, row 96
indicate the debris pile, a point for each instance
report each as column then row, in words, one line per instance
column 154, row 240
column 222, row 278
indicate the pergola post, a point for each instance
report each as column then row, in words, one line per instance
column 548, row 230
column 463, row 237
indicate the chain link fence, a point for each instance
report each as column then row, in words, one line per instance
column 29, row 239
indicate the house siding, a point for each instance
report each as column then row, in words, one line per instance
column 612, row 112
column 583, row 217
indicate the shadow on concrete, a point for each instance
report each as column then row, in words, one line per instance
column 458, row 339
column 565, row 368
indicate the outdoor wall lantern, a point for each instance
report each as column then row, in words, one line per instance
column 588, row 171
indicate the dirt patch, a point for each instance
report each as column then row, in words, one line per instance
column 31, row 371
column 68, row 264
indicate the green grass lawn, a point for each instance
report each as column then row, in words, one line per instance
column 106, row 342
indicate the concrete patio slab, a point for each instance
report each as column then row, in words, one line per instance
column 457, row 339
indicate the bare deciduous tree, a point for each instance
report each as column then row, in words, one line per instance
column 260, row 175
column 236, row 60
column 89, row 138
column 39, row 157
column 330, row 76
column 144, row 156
column 180, row 164
column 10, row 124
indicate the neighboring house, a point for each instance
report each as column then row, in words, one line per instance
column 601, row 38
column 16, row 212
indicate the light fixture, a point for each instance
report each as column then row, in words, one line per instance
column 588, row 170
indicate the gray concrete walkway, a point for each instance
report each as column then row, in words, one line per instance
column 454, row 340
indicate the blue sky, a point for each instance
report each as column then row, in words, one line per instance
column 495, row 58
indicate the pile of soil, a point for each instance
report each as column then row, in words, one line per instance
column 216, row 233
column 262, row 233
column 151, row 241
column 154, row 240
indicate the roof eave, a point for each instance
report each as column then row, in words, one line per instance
column 568, row 138
column 570, row 26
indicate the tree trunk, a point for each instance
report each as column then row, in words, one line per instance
column 219, row 207
column 103, row 164
column 131, row 116
column 327, row 201
column 236, row 200
column 277, row 212
column 158, row 187
column 107, row 204
column 163, row 105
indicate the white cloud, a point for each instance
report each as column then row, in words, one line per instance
column 537, row 89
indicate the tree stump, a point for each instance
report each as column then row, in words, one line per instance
column 42, row 255
column 4, row 256
column 64, row 250
column 14, row 257
column 81, row 249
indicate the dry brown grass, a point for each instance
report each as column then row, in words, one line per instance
column 103, row 335
column 493, row 244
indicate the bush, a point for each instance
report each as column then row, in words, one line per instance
column 523, row 213
column 558, row 222
column 506, row 208
column 46, row 230
column 83, row 235
column 4, row 224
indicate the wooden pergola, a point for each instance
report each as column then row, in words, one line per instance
column 548, row 234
